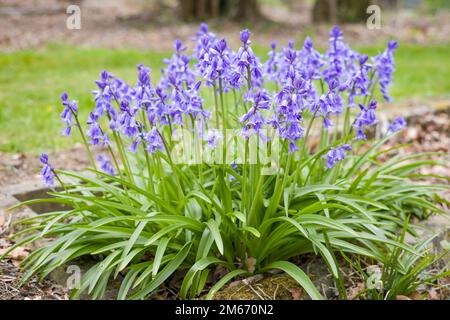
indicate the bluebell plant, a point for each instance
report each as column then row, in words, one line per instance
column 149, row 215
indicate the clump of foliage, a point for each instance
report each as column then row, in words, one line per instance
column 275, row 165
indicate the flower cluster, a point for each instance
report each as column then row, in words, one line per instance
column 284, row 180
column 247, row 67
column 329, row 104
column 215, row 61
column 291, row 89
column 95, row 132
column 291, row 101
column 253, row 120
column 384, row 64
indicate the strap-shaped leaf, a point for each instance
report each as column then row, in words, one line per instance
column 224, row 280
column 159, row 255
column 212, row 225
column 298, row 275
column 165, row 273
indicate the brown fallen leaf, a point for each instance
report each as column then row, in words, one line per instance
column 433, row 294
column 296, row 294
column 352, row 293
column 400, row 297
column 18, row 253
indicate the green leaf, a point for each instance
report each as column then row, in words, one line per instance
column 164, row 274
column 298, row 275
column 159, row 255
column 219, row 284
column 212, row 225
column 100, row 268
column 198, row 266
column 130, row 244
column 311, row 189
column 253, row 231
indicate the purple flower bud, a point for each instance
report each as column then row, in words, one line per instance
column 327, row 123
column 64, row 97
column 336, row 34
column 44, row 158
column 244, row 35
column 346, row 147
column 335, row 155
column 178, row 45
column 203, row 29
column 398, row 124
column 105, row 165
column 221, row 46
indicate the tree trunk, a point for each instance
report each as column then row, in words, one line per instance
column 202, row 9
column 247, row 10
column 210, row 9
column 336, row 11
column 341, row 10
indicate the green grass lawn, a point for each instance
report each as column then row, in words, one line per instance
column 32, row 81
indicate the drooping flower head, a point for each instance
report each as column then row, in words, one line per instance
column 384, row 65
column 69, row 112
column 247, row 68
column 272, row 65
column 106, row 165
column 290, row 103
column 341, row 61
column 47, row 172
column 335, row 155
column 204, row 41
column 110, row 89
column 153, row 141
column 253, row 120
column 311, row 61
column 288, row 66
column 159, row 110
column 95, row 132
column 184, row 102
column 143, row 90
column 130, row 126
column 103, row 97
column 329, row 104
column 178, row 71
column 358, row 81
column 366, row 118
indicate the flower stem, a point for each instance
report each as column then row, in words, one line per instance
column 91, row 158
